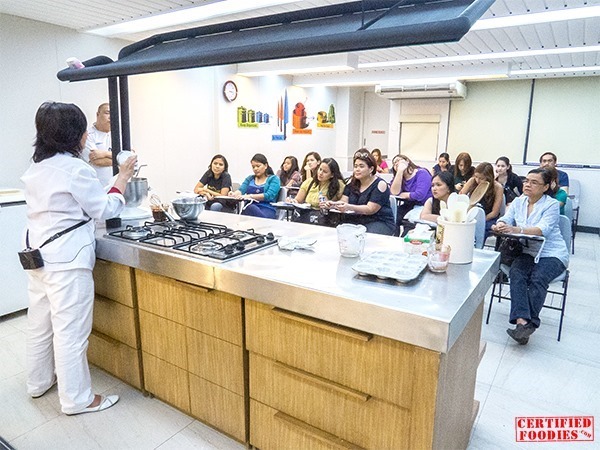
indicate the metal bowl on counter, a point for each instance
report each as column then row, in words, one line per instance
column 188, row 208
column 136, row 191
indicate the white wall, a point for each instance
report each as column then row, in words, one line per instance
column 31, row 53
column 180, row 119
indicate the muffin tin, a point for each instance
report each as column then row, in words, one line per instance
column 397, row 266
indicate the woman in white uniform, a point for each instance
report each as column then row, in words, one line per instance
column 62, row 191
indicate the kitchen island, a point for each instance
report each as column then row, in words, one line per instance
column 292, row 349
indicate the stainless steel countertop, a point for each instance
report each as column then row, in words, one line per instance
column 431, row 312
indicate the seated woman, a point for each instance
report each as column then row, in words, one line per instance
column 412, row 185
column 215, row 181
column 309, row 165
column 289, row 172
column 382, row 166
column 491, row 202
column 442, row 185
column 368, row 196
column 537, row 214
column 329, row 184
column 556, row 191
column 263, row 186
column 511, row 183
column 463, row 170
column 443, row 164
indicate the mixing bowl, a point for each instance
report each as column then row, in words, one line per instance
column 189, row 208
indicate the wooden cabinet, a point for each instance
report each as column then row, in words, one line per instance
column 114, row 345
column 314, row 384
column 191, row 340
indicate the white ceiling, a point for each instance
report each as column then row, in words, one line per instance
column 83, row 15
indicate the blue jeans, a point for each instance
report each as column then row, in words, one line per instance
column 529, row 285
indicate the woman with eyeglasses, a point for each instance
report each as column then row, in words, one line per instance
column 411, row 184
column 368, row 196
column 534, row 213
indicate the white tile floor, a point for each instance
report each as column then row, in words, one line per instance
column 544, row 378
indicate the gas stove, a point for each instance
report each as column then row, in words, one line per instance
column 203, row 240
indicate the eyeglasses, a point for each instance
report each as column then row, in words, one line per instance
column 532, row 182
column 362, row 155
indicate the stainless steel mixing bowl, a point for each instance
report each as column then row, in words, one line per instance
column 189, row 208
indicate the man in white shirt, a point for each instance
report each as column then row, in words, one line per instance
column 97, row 151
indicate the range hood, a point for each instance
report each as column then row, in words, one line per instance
column 339, row 28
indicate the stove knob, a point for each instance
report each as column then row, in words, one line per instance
column 270, row 236
column 260, row 239
column 228, row 249
column 240, row 246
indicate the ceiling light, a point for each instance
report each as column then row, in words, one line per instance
column 482, row 56
column 308, row 64
column 182, row 16
column 534, row 18
column 555, row 70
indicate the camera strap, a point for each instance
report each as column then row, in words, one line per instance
column 59, row 234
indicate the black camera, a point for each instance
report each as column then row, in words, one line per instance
column 31, row 259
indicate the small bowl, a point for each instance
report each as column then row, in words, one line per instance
column 189, row 208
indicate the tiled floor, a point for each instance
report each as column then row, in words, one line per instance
column 544, row 378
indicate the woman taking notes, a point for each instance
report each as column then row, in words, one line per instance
column 262, row 187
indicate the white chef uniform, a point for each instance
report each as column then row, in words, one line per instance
column 100, row 140
column 60, row 192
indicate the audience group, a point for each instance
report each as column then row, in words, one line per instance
column 529, row 205
column 319, row 183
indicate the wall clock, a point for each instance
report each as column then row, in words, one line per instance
column 230, row 91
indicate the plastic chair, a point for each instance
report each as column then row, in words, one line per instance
column 283, row 194
column 575, row 195
column 569, row 212
column 479, row 227
column 394, row 206
column 562, row 279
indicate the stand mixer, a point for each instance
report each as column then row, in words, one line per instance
column 136, row 192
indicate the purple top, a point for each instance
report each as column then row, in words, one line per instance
column 419, row 186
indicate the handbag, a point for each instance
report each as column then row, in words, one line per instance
column 510, row 248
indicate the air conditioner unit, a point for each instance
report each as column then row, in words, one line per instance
column 454, row 89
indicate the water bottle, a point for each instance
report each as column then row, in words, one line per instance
column 322, row 199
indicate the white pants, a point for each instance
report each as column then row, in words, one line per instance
column 59, row 324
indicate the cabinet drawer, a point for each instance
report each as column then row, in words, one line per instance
column 380, row 367
column 112, row 280
column 115, row 357
column 166, row 381
column 215, row 313
column 161, row 295
column 218, row 407
column 349, row 414
column 216, row 360
column 115, row 320
column 164, row 339
column 273, row 430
